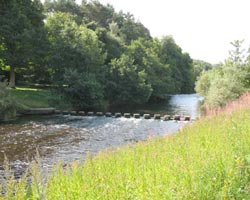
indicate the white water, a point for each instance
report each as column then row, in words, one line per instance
column 69, row 138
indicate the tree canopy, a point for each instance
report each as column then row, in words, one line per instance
column 21, row 29
column 93, row 55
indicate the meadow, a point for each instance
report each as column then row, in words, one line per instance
column 208, row 159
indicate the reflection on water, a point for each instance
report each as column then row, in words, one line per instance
column 181, row 104
column 185, row 104
column 70, row 138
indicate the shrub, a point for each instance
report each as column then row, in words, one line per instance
column 7, row 103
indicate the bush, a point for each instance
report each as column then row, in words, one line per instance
column 7, row 103
column 227, row 81
column 221, row 84
column 83, row 91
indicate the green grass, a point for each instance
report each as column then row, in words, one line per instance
column 39, row 98
column 208, row 160
column 32, row 97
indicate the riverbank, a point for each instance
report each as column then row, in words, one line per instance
column 31, row 100
column 31, row 97
column 208, row 160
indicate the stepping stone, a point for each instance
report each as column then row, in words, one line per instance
column 90, row 113
column 73, row 113
column 137, row 115
column 118, row 115
column 177, row 117
column 99, row 114
column 146, row 116
column 157, row 116
column 58, row 112
column 127, row 115
column 65, row 112
column 81, row 113
column 166, row 118
column 187, row 118
column 108, row 114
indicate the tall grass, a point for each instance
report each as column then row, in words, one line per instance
column 240, row 104
column 208, row 160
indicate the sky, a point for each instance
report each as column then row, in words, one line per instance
column 202, row 28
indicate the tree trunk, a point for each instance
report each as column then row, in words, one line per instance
column 12, row 81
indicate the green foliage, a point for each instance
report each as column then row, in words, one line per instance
column 76, row 59
column 99, row 13
column 7, row 103
column 182, row 73
column 200, row 66
column 226, row 86
column 65, row 6
column 203, row 84
column 113, row 45
column 207, row 160
column 246, row 69
column 227, row 81
column 72, row 46
column 83, row 90
column 65, row 44
column 21, row 24
column 128, row 84
column 145, row 55
column 132, row 30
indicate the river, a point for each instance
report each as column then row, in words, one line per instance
column 68, row 138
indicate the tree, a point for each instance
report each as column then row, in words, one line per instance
column 227, row 81
column 20, row 25
column 96, row 12
column 127, row 84
column 187, row 71
column 200, row 66
column 112, row 44
column 203, row 83
column 181, row 65
column 130, row 29
column 65, row 6
column 247, row 70
column 75, row 59
column 146, row 57
column 84, row 91
column 237, row 55
column 225, row 86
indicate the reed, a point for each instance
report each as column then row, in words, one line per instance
column 240, row 104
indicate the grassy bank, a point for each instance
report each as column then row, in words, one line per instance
column 39, row 98
column 208, row 160
column 32, row 97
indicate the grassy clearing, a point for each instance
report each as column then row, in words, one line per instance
column 39, row 98
column 208, row 160
column 32, row 97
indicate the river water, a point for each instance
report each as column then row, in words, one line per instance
column 68, row 138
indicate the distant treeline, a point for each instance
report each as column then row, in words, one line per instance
column 95, row 56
